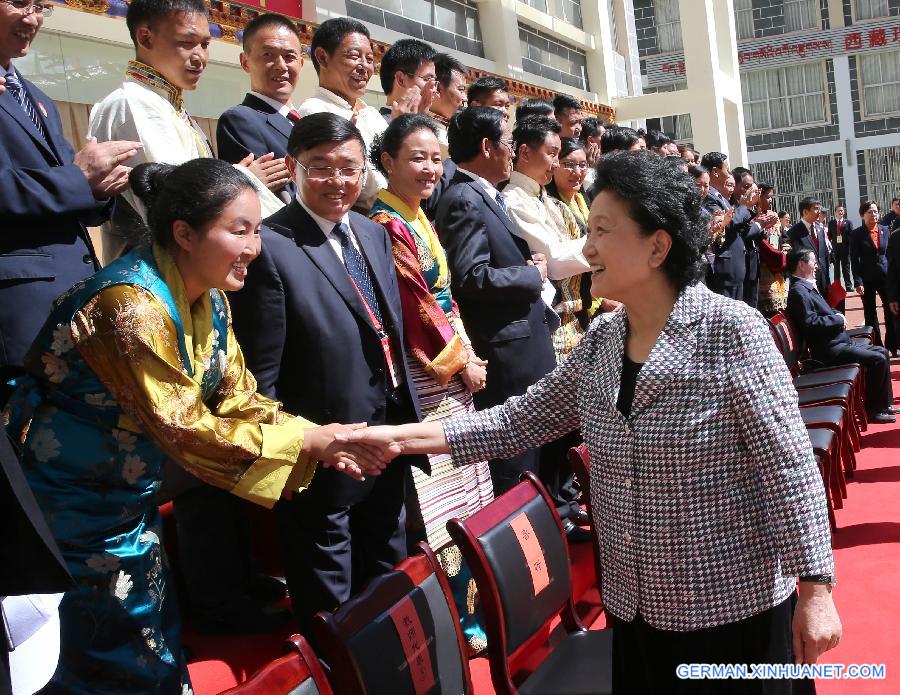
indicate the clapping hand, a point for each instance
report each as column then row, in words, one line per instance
column 102, row 165
column 331, row 445
column 767, row 220
column 273, row 173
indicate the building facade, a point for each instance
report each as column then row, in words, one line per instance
column 541, row 47
column 820, row 85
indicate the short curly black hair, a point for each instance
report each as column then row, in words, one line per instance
column 660, row 197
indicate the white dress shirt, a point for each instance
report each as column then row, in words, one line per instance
column 283, row 109
column 327, row 227
column 541, row 224
column 369, row 122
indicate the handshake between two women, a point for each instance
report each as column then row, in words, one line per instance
column 359, row 450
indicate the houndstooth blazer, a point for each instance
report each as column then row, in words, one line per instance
column 708, row 500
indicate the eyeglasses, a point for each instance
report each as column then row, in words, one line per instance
column 574, row 166
column 510, row 144
column 427, row 79
column 322, row 173
column 26, row 7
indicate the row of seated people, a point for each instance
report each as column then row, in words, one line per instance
column 842, row 378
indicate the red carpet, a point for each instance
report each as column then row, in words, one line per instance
column 867, row 555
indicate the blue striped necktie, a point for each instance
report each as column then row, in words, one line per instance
column 17, row 90
column 356, row 267
column 502, row 205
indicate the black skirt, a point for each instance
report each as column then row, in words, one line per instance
column 645, row 658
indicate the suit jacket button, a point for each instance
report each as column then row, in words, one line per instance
column 87, row 258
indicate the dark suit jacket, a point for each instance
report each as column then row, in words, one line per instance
column 498, row 293
column 870, row 265
column 819, row 325
column 798, row 237
column 304, row 331
column 45, row 206
column 430, row 206
column 841, row 248
column 253, row 126
column 893, row 255
column 730, row 264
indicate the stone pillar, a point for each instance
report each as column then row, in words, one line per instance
column 500, row 29
column 601, row 66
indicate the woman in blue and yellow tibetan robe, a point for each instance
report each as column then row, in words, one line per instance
column 126, row 372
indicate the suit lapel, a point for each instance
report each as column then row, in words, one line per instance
column 674, row 349
column 309, row 237
column 14, row 109
column 502, row 216
column 273, row 118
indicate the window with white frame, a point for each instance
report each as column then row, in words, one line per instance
column 882, row 175
column 784, row 97
column 668, row 25
column 871, row 9
column 743, row 18
column 879, row 77
column 566, row 10
column 801, row 14
column 795, row 179
column 545, row 56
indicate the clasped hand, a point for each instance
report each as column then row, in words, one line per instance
column 333, row 447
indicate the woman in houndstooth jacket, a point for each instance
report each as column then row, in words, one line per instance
column 707, row 498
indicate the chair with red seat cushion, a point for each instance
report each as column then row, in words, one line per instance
column 825, row 445
column 518, row 554
column 401, row 635
column 297, row 673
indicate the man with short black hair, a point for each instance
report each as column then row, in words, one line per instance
column 892, row 219
column 342, row 55
column 490, row 91
column 660, row 143
column 552, row 231
column 450, row 96
column 839, row 229
column 567, row 110
column 319, row 321
column 171, row 44
column 407, row 78
column 496, row 281
column 824, row 331
column 533, row 107
column 806, row 234
column 261, row 124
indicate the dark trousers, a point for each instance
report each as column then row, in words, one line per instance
column 505, row 473
column 751, row 292
column 732, row 291
column 338, row 534
column 875, row 360
column 214, row 549
column 870, row 312
column 842, row 269
column 556, row 474
column 645, row 658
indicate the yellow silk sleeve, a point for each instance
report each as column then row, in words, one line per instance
column 240, row 441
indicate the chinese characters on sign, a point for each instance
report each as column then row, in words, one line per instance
column 415, row 643
column 756, row 54
column 531, row 549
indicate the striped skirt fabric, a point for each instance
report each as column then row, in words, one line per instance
column 449, row 491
